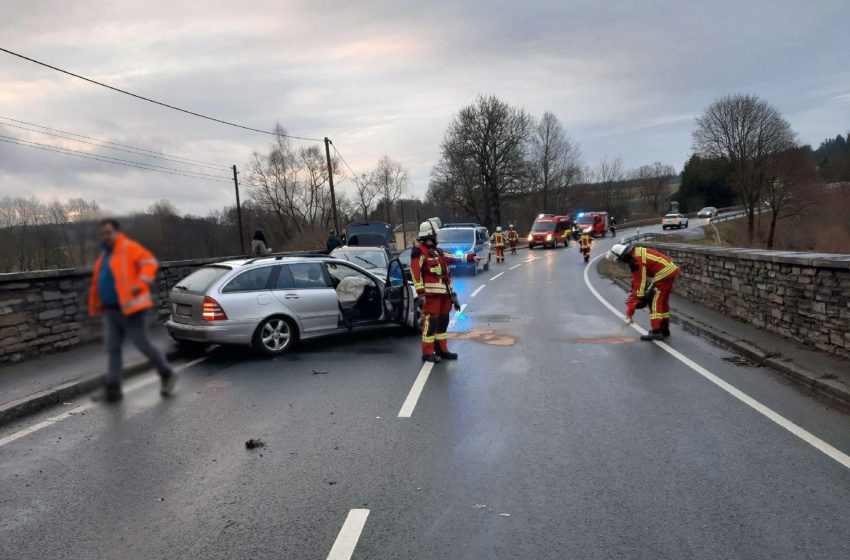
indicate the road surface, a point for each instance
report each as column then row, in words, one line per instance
column 557, row 435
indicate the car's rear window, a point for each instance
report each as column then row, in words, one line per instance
column 250, row 280
column 202, row 278
column 671, row 216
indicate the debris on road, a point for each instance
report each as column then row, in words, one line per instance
column 254, row 443
column 480, row 506
column 505, row 514
column 485, row 337
column 319, row 371
column 332, row 482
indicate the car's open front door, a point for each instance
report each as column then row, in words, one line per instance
column 396, row 293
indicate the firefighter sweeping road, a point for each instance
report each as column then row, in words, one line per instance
column 557, row 434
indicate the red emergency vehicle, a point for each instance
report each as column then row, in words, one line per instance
column 597, row 221
column 549, row 230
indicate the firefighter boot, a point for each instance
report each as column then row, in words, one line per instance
column 445, row 354
column 431, row 358
column 665, row 327
column 653, row 335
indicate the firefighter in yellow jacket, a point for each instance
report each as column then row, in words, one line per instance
column 498, row 240
column 585, row 243
column 513, row 237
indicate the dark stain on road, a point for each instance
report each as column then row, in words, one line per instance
column 605, row 340
column 494, row 318
column 485, row 336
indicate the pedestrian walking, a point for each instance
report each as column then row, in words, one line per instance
column 498, row 240
column 333, row 241
column 259, row 245
column 121, row 290
column 653, row 274
column 430, row 269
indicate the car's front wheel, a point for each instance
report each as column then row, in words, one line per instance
column 275, row 336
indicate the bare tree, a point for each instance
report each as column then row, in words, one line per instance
column 555, row 159
column 365, row 194
column 486, row 148
column 391, row 181
column 747, row 132
column 609, row 173
column 789, row 190
column 653, row 179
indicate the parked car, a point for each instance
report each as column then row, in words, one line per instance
column 463, row 240
column 271, row 303
column 707, row 212
column 373, row 259
column 677, row 221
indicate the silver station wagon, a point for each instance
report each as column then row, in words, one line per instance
column 272, row 302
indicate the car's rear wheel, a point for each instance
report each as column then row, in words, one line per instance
column 275, row 336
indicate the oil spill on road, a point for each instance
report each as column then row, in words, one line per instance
column 485, row 337
column 494, row 318
column 605, row 340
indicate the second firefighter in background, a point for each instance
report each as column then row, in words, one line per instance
column 513, row 237
column 430, row 268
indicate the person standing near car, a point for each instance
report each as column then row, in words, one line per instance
column 513, row 237
column 333, row 242
column 121, row 290
column 259, row 245
column 430, row 269
column 498, row 240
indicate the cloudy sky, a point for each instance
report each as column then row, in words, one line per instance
column 626, row 78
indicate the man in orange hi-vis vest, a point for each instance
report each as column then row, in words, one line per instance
column 121, row 290
column 513, row 237
column 653, row 274
column 498, row 240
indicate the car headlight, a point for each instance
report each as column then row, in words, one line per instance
column 549, row 237
column 530, row 237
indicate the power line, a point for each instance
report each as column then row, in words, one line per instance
column 149, row 100
column 106, row 144
column 116, row 161
column 354, row 175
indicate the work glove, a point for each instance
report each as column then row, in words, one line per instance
column 455, row 302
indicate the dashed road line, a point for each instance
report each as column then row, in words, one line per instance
column 496, row 276
column 515, row 266
column 772, row 415
column 478, row 289
column 82, row 408
column 413, row 396
column 348, row 536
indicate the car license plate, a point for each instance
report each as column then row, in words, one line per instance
column 185, row 310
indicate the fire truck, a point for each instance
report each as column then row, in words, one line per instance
column 549, row 230
column 597, row 221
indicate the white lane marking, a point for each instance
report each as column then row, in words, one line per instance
column 515, row 266
column 413, row 396
column 496, row 276
column 772, row 415
column 82, row 408
column 458, row 314
column 478, row 289
column 348, row 536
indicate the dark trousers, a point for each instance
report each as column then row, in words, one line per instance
column 117, row 326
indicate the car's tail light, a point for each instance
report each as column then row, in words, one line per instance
column 212, row 311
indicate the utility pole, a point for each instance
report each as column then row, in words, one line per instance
column 403, row 227
column 239, row 212
column 331, row 183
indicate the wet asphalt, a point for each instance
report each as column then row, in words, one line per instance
column 556, row 435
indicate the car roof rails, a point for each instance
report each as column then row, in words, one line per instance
column 461, row 224
column 279, row 256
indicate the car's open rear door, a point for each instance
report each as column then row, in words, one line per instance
column 396, row 293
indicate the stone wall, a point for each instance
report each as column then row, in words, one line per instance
column 47, row 311
column 802, row 296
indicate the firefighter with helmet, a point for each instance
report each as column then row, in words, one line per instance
column 513, row 237
column 430, row 269
column 653, row 274
column 498, row 240
column 585, row 243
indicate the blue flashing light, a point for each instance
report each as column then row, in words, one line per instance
column 580, row 214
column 459, row 253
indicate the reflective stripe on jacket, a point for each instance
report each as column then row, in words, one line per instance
column 134, row 269
column 430, row 269
column 513, row 235
column 651, row 264
column 586, row 241
column 499, row 239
